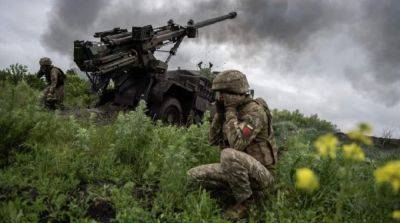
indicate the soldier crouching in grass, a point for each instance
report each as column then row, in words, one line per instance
column 242, row 127
column 53, row 94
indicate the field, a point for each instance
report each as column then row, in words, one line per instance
column 63, row 168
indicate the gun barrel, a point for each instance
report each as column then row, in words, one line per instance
column 109, row 38
column 207, row 22
column 115, row 65
column 121, row 41
column 109, row 32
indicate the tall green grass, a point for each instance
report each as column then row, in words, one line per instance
column 54, row 167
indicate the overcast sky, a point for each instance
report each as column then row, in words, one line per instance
column 335, row 58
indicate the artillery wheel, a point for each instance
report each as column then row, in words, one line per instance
column 170, row 111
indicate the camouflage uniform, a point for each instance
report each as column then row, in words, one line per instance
column 249, row 151
column 53, row 94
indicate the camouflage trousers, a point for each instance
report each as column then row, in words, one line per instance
column 237, row 170
column 55, row 99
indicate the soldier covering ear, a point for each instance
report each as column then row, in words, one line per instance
column 242, row 127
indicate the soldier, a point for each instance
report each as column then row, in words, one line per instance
column 53, row 94
column 242, row 128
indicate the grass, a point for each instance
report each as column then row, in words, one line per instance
column 56, row 168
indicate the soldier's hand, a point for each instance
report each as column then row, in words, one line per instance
column 219, row 107
column 50, row 96
column 232, row 100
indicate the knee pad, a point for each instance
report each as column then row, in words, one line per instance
column 228, row 155
column 190, row 174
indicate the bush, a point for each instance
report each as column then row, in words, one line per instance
column 77, row 92
column 303, row 122
column 19, row 112
column 17, row 72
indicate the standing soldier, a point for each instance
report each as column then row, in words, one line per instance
column 53, row 94
column 242, row 128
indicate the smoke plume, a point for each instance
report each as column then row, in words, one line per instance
column 71, row 20
column 294, row 26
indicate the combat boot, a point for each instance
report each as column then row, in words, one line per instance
column 238, row 211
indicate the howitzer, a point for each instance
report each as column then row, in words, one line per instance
column 127, row 58
column 121, row 50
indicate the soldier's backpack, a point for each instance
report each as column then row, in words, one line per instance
column 62, row 77
column 271, row 136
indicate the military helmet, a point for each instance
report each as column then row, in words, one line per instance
column 231, row 81
column 45, row 61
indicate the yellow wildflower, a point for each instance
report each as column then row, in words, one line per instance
column 361, row 134
column 390, row 173
column 396, row 215
column 306, row 180
column 353, row 152
column 327, row 145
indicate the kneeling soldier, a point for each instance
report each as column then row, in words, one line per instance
column 53, row 94
column 242, row 127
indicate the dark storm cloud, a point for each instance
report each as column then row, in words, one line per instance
column 70, row 20
column 384, row 40
column 292, row 25
column 379, row 33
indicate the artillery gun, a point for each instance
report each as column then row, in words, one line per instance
column 127, row 58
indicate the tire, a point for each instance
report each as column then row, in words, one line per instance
column 194, row 118
column 106, row 97
column 170, row 111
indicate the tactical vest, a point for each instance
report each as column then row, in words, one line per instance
column 61, row 76
column 263, row 148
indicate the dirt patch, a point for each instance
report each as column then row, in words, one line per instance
column 6, row 193
column 100, row 115
column 101, row 210
column 224, row 197
column 145, row 195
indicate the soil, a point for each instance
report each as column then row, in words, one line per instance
column 145, row 195
column 103, row 115
column 101, row 210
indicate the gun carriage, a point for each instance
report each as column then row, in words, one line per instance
column 127, row 58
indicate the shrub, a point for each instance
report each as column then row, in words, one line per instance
column 77, row 92
column 17, row 72
column 18, row 115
